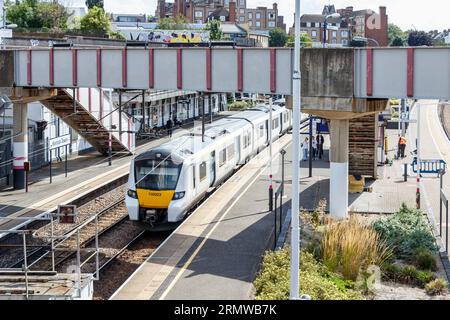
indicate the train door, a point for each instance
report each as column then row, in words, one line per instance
column 212, row 168
column 238, row 147
column 281, row 122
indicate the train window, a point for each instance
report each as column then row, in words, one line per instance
column 202, row 171
column 222, row 157
column 275, row 124
column 230, row 151
column 193, row 176
column 261, row 131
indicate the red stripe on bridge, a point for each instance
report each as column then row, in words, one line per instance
column 51, row 71
column 75, row 67
column 99, row 67
column 410, row 73
column 29, row 65
column 179, row 68
column 240, row 69
column 273, row 70
column 151, row 68
column 124, row 67
column 369, row 71
column 208, row 69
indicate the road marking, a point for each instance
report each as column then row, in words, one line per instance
column 192, row 257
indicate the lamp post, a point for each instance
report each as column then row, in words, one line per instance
column 325, row 25
column 295, row 223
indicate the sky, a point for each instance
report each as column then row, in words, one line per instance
column 407, row 14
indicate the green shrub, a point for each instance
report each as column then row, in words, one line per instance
column 238, row 105
column 273, row 281
column 436, row 287
column 406, row 231
column 424, row 259
column 407, row 275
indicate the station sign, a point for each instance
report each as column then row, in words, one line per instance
column 59, row 142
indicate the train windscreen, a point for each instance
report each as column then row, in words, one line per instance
column 157, row 175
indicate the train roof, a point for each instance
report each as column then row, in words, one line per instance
column 191, row 142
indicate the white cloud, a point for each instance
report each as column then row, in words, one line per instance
column 429, row 15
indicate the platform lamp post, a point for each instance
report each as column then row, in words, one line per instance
column 296, row 108
column 325, row 25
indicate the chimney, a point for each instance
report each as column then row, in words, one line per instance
column 275, row 6
column 382, row 11
column 190, row 12
column 162, row 9
column 232, row 10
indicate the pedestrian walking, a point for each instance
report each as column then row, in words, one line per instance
column 169, row 126
column 305, row 148
column 402, row 146
column 314, row 148
column 320, row 143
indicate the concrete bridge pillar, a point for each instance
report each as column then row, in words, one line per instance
column 20, row 144
column 339, row 131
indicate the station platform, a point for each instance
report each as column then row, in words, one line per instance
column 86, row 173
column 216, row 252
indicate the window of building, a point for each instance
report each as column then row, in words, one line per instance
column 271, row 24
column 250, row 15
column 242, row 3
column 334, row 34
column 250, row 23
column 227, row 3
column 222, row 18
column 258, row 24
column 344, row 34
column 344, row 42
column 258, row 15
column 202, row 170
column 222, row 157
column 198, row 14
column 272, row 16
column 308, row 24
column 314, row 33
column 317, row 24
column 199, row 21
column 242, row 11
column 241, row 19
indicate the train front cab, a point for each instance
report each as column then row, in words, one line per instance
column 152, row 197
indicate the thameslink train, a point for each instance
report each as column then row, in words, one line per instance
column 166, row 182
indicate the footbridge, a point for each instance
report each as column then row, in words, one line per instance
column 337, row 84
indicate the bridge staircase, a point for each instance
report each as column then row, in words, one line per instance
column 93, row 116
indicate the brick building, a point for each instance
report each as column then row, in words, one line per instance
column 367, row 24
column 200, row 11
column 340, row 31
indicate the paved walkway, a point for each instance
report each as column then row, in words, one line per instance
column 435, row 145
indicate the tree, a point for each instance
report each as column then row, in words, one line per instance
column 397, row 42
column 96, row 20
column 175, row 23
column 94, row 3
column 305, row 40
column 419, row 38
column 396, row 34
column 215, row 32
column 34, row 14
column 278, row 38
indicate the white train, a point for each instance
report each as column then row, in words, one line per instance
column 166, row 182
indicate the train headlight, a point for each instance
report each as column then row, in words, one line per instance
column 132, row 194
column 178, row 195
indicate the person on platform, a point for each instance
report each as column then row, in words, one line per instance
column 401, row 146
column 305, row 148
column 314, row 148
column 169, row 126
column 320, row 143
